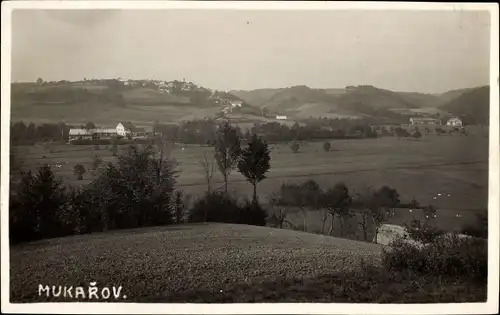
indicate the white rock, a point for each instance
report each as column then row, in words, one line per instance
column 389, row 233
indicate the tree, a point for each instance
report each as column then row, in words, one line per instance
column 387, row 198
column 327, row 146
column 337, row 200
column 377, row 205
column 279, row 219
column 136, row 190
column 179, row 204
column 114, row 146
column 39, row 81
column 208, row 171
column 414, row 204
column 227, row 150
column 363, row 204
column 79, row 170
column 36, row 206
column 96, row 162
column 295, row 147
column 89, row 125
column 254, row 162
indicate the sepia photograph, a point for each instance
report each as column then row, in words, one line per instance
column 206, row 153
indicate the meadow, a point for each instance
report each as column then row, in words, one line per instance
column 449, row 172
column 222, row 263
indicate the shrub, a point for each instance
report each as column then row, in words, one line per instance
column 295, row 147
column 424, row 234
column 447, row 255
column 327, row 146
column 217, row 206
column 480, row 228
column 79, row 170
column 253, row 213
column 220, row 207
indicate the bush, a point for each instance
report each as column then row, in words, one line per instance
column 219, row 207
column 480, row 229
column 252, row 213
column 425, row 234
column 295, row 147
column 447, row 255
column 327, row 146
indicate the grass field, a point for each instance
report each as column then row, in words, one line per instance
column 218, row 263
column 449, row 172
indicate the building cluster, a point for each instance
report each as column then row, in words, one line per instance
column 124, row 129
column 162, row 85
column 231, row 105
column 452, row 122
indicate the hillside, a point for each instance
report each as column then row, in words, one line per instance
column 473, row 106
column 144, row 101
column 353, row 101
column 446, row 97
column 107, row 101
column 167, row 263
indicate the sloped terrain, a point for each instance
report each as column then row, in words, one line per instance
column 162, row 263
column 472, row 106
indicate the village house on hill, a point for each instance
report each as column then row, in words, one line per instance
column 127, row 129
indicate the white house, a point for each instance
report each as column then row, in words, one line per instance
column 454, row 122
column 126, row 128
column 236, row 103
column 281, row 117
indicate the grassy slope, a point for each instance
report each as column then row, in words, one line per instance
column 473, row 105
column 159, row 263
column 223, row 263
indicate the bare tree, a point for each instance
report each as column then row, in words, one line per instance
column 362, row 203
column 227, row 150
column 208, row 171
column 161, row 156
column 337, row 200
column 277, row 201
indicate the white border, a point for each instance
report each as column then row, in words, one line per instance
column 491, row 306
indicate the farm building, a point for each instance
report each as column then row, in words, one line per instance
column 281, row 117
column 424, row 121
column 104, row 133
column 454, row 122
column 126, row 128
column 91, row 134
column 80, row 134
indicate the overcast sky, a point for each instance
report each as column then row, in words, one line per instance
column 405, row 51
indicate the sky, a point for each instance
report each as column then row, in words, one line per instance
column 419, row 51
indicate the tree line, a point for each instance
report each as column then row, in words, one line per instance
column 138, row 189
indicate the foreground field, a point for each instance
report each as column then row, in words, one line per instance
column 160, row 263
column 220, row 263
